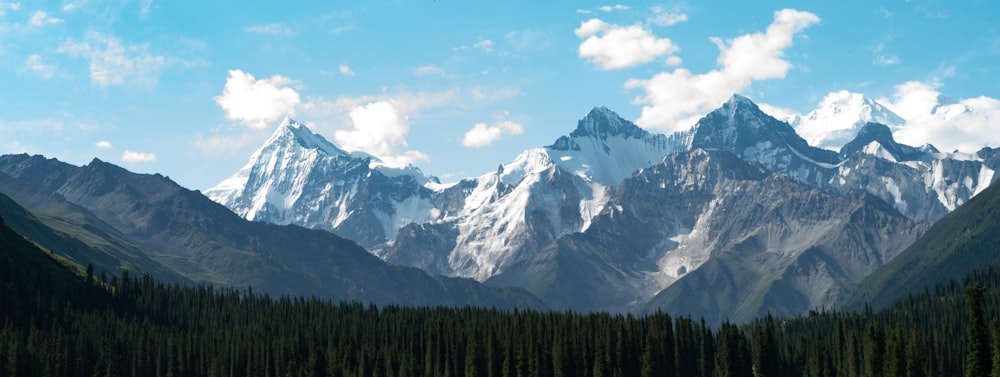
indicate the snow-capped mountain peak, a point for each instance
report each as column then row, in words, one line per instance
column 876, row 139
column 605, row 148
column 291, row 131
column 840, row 116
column 602, row 123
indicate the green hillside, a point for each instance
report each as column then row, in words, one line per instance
column 963, row 241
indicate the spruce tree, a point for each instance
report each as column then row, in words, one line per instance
column 977, row 358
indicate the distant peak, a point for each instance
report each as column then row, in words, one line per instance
column 873, row 132
column 601, row 123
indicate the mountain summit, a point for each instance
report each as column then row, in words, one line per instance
column 602, row 123
column 840, row 116
column 298, row 177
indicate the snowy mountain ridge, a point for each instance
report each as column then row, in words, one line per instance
column 592, row 202
column 839, row 117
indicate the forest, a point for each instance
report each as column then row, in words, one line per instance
column 57, row 322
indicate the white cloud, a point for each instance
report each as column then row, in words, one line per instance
column 482, row 135
column 41, row 19
column 379, row 129
column 257, row 103
column 8, row 6
column 966, row 125
column 663, row 17
column 583, row 11
column 36, row 65
column 115, row 63
column 913, row 99
column 72, row 6
column 346, row 71
column 428, row 70
column 144, row 7
column 881, row 58
column 675, row 99
column 136, row 157
column 780, row 113
column 104, row 144
column 616, row 47
column 485, row 45
column 276, row 29
column 612, row 8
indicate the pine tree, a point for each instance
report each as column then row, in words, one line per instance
column 765, row 358
column 977, row 358
column 915, row 356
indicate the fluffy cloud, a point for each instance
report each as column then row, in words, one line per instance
column 482, row 135
column 104, row 144
column 36, row 65
column 966, row 125
column 136, row 157
column 616, row 47
column 115, row 63
column 257, row 103
column 41, row 19
column 675, row 99
column 346, row 71
column 379, row 129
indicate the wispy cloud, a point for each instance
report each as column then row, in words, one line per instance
column 667, row 17
column 612, row 8
column 428, row 70
column 115, row 63
column 346, row 70
column 4, row 7
column 275, row 29
column 40, row 19
column 104, row 144
column 882, row 58
column 37, row 66
column 485, row 45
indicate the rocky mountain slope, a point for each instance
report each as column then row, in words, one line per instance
column 965, row 240
column 772, row 222
column 203, row 241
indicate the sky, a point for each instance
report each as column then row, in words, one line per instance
column 190, row 89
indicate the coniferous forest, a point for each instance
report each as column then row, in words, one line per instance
column 59, row 323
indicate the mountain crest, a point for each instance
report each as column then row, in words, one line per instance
column 876, row 139
column 291, row 133
column 841, row 116
column 602, row 123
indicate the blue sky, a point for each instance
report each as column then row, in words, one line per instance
column 190, row 89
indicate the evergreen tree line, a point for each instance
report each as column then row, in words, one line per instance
column 135, row 326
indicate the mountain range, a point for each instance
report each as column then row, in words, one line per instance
column 107, row 217
column 735, row 217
